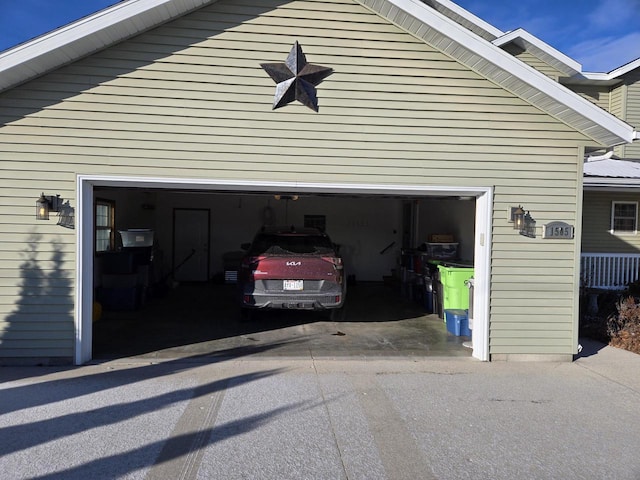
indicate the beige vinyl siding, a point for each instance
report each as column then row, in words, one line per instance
column 190, row 100
column 596, row 229
column 598, row 95
column 618, row 106
column 633, row 111
column 533, row 61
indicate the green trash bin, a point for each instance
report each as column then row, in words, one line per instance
column 455, row 292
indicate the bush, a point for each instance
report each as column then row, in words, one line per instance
column 594, row 323
column 623, row 328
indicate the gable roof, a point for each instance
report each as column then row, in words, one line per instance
column 129, row 18
column 540, row 49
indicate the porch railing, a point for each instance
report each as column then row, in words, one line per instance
column 609, row 271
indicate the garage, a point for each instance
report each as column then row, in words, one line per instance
column 182, row 301
column 412, row 122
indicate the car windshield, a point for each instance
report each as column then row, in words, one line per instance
column 291, row 245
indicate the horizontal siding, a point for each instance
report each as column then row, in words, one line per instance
column 633, row 111
column 597, row 95
column 596, row 226
column 533, row 61
column 189, row 99
column 618, row 106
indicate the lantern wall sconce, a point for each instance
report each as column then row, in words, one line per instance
column 523, row 222
column 66, row 216
column 46, row 204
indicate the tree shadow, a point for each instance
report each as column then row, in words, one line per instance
column 27, row 435
column 41, row 329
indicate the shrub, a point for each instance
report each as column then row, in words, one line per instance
column 623, row 328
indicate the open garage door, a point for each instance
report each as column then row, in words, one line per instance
column 370, row 223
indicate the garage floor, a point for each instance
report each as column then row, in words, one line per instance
column 203, row 320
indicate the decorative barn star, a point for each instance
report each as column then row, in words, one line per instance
column 296, row 79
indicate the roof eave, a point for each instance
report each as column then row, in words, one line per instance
column 502, row 68
column 132, row 17
column 540, row 49
column 88, row 35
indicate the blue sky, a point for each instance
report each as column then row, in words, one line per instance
column 600, row 34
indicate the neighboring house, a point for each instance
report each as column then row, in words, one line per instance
column 158, row 114
column 610, row 239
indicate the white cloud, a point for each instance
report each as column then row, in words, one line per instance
column 606, row 53
column 612, row 13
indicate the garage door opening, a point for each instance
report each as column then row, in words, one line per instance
column 182, row 300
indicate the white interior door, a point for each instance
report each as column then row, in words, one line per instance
column 191, row 245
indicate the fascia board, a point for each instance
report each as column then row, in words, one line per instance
column 558, row 59
column 468, row 16
column 613, row 74
column 620, row 132
column 610, row 184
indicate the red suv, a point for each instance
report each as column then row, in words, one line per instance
column 290, row 268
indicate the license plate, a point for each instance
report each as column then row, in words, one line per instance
column 293, row 285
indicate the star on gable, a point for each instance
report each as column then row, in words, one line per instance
column 296, row 79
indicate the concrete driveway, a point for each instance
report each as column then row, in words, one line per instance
column 281, row 418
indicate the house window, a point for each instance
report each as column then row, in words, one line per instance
column 105, row 224
column 624, row 217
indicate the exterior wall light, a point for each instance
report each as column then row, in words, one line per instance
column 517, row 217
column 46, row 204
column 66, row 217
column 523, row 222
column 529, row 227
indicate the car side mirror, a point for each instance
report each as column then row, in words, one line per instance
column 245, row 246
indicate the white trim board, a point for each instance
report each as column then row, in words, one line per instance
column 85, row 223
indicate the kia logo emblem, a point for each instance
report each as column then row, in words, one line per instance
column 294, row 264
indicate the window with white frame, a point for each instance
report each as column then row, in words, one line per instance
column 624, row 217
column 105, row 222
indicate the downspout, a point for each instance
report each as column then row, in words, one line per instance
column 595, row 158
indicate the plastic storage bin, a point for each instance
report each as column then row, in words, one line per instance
column 455, row 294
column 442, row 251
column 457, row 322
column 136, row 237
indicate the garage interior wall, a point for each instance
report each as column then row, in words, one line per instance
column 190, row 100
